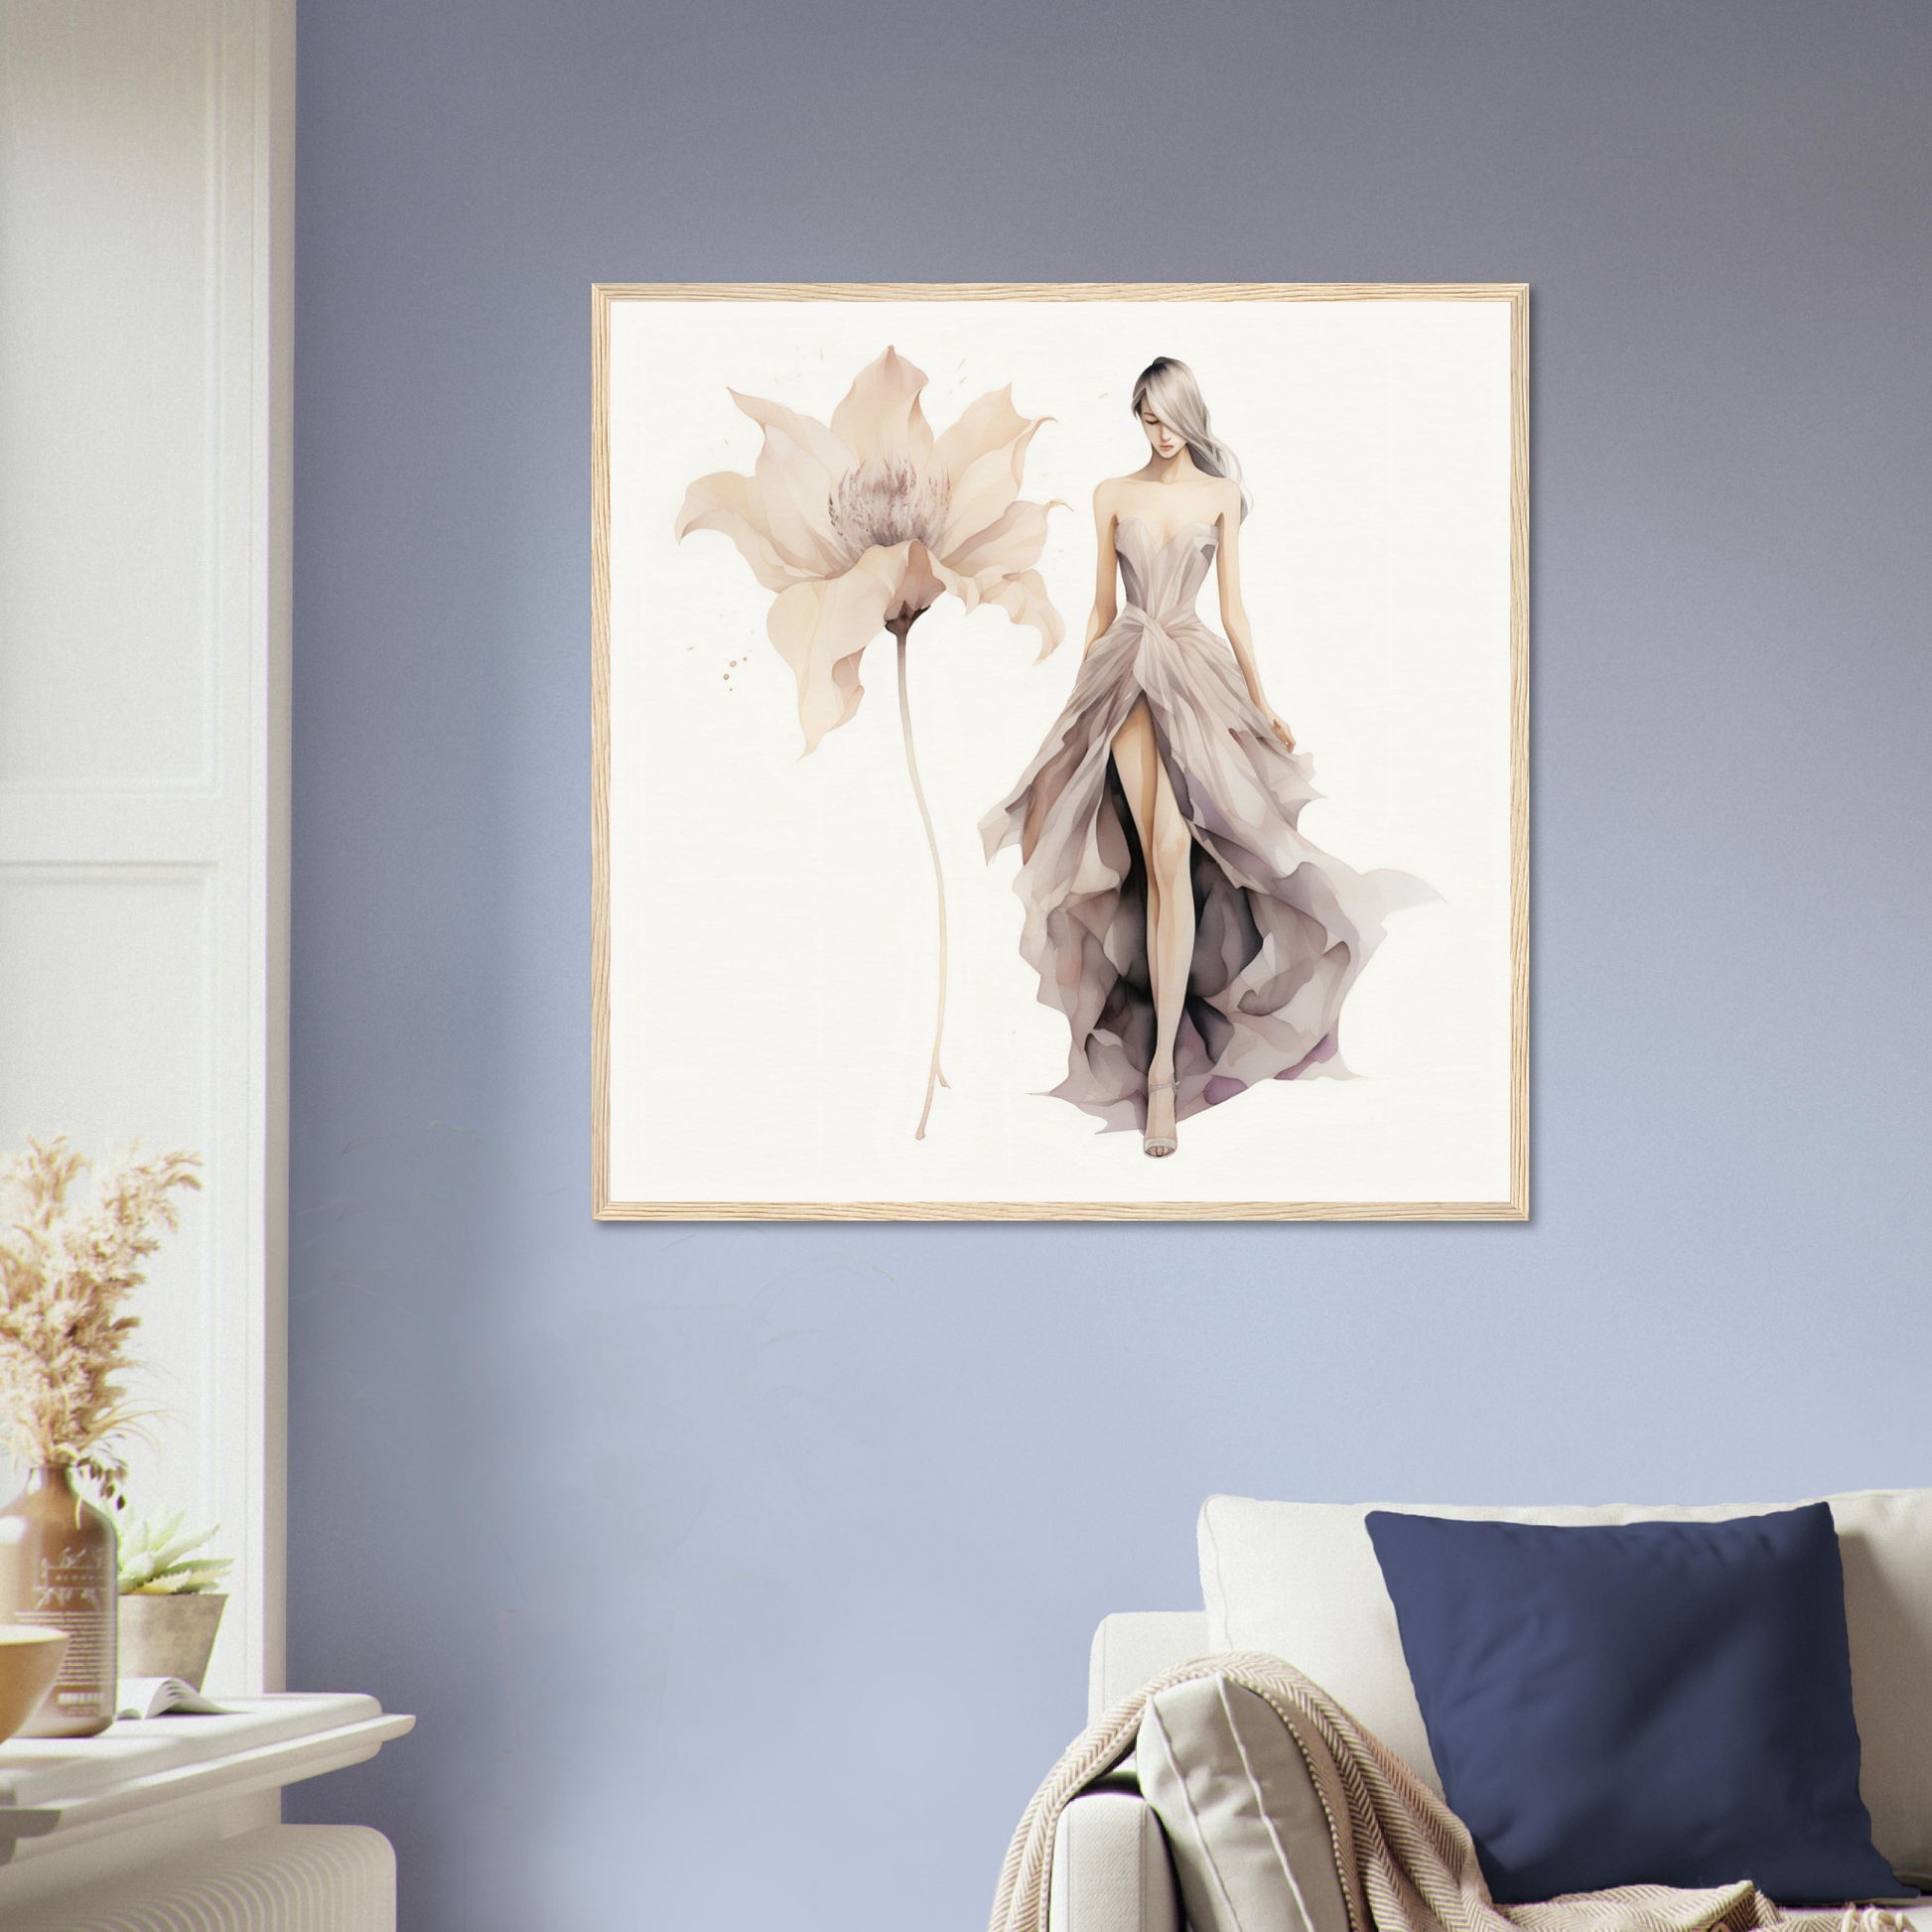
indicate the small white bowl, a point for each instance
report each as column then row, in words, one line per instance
column 30, row 1661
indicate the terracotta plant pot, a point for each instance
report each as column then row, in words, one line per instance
column 30, row 1661
column 170, row 1636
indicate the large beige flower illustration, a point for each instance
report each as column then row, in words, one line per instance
column 862, row 527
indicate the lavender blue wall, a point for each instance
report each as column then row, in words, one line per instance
column 743, row 1576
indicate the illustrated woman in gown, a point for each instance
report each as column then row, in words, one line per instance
column 1196, row 941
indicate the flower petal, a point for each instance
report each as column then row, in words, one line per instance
column 965, row 588
column 1012, row 543
column 806, row 431
column 797, row 500
column 1023, row 598
column 982, row 493
column 989, row 424
column 822, row 629
column 923, row 579
column 796, row 468
column 730, row 502
column 879, row 418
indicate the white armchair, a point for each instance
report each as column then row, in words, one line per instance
column 1301, row 1581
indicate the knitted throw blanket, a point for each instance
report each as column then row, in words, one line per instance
column 1406, row 1862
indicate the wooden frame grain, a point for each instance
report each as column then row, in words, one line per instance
column 604, row 296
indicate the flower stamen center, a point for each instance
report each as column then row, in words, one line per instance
column 889, row 501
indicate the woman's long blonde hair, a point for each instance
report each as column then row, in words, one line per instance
column 1168, row 387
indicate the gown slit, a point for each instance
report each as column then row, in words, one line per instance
column 1282, row 929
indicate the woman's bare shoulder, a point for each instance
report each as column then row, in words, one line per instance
column 1111, row 496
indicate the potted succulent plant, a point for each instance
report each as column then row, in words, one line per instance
column 171, row 1606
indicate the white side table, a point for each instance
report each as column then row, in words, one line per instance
column 81, row 1813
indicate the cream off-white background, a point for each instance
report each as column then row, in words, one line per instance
column 772, row 935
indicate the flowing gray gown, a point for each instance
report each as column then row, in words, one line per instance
column 1282, row 929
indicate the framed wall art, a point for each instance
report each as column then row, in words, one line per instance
column 1060, row 752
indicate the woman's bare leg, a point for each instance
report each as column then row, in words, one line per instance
column 1167, row 845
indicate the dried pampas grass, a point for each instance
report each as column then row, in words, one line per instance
column 65, row 1269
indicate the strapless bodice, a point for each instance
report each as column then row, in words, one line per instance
column 1164, row 578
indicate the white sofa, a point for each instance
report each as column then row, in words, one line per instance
column 1301, row 1580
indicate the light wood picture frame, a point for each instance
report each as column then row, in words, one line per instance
column 782, row 472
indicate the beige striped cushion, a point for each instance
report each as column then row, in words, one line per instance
column 1250, row 1838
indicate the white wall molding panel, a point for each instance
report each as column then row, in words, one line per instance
column 146, row 204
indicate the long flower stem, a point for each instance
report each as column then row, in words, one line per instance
column 898, row 627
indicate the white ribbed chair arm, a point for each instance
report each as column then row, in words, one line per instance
column 1111, row 1871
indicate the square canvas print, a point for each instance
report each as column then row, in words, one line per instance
column 1060, row 752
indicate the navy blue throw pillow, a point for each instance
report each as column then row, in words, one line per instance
column 1641, row 1703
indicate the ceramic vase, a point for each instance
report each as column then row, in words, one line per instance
column 59, row 1559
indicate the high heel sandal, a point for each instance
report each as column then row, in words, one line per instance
column 1157, row 1146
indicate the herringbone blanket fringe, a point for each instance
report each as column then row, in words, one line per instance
column 1405, row 1861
